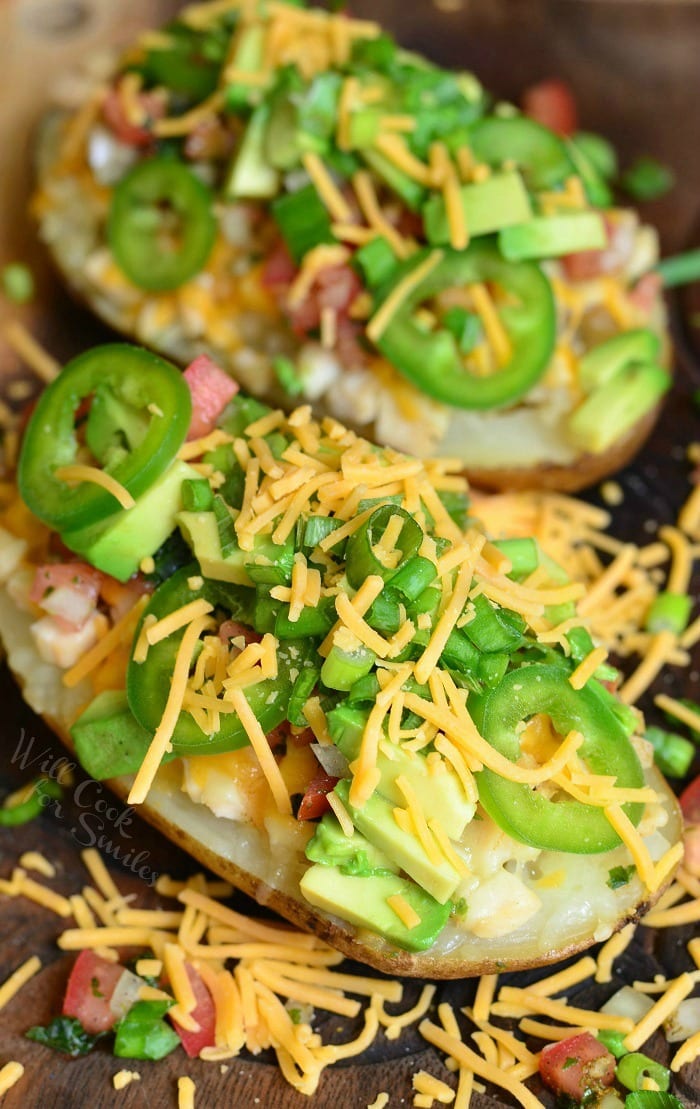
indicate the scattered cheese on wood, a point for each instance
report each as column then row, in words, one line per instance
column 10, row 1074
column 18, row 978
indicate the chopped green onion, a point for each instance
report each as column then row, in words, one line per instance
column 413, row 577
column 376, row 261
column 312, row 621
column 635, row 1067
column 491, row 668
column 302, row 690
column 224, row 523
column 672, row 753
column 652, row 1099
column 523, row 555
column 342, row 668
column 361, row 561
column 17, row 282
column 619, row 876
column 599, row 152
column 647, row 179
column 288, row 375
column 465, row 326
column 197, row 495
column 494, row 629
column 614, row 1041
column 668, row 612
column 365, row 690
column 33, row 806
column 143, row 1034
column 303, row 221
column 384, row 614
column 680, row 269
column 312, row 529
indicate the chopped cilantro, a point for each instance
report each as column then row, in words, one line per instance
column 619, row 876
column 647, row 179
column 64, row 1034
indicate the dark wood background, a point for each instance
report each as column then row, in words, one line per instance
column 634, row 66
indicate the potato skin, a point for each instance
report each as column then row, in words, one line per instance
column 585, row 471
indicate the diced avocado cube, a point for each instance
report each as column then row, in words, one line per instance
column 602, row 362
column 350, row 854
column 376, row 821
column 552, row 236
column 267, row 563
column 440, row 793
column 611, row 410
column 119, row 544
column 363, row 902
column 247, row 58
column 108, row 739
column 251, row 175
column 499, row 201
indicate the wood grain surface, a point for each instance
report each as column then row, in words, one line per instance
column 634, row 67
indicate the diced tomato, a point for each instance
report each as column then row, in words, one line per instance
column 302, row 737
column 122, row 596
column 209, row 140
column 68, row 591
column 279, row 269
column 584, row 265
column 114, row 114
column 646, row 292
column 315, row 801
column 211, row 391
column 231, row 629
column 552, row 104
column 691, row 850
column 573, row 1067
column 689, row 801
column 204, row 1013
column 92, row 982
column 335, row 287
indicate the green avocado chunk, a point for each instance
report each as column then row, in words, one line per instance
column 613, row 409
column 440, row 794
column 267, row 564
column 603, row 362
column 108, row 739
column 552, row 236
column 118, row 545
column 499, row 201
column 350, row 854
column 376, row 821
column 363, row 901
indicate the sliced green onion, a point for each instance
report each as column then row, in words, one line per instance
column 197, row 495
column 224, row 523
column 459, row 654
column 413, row 577
column 301, row 691
column 457, row 507
column 312, row 529
column 672, row 753
column 668, row 612
column 365, row 690
column 342, row 668
column 266, row 612
column 599, row 152
column 303, row 220
column 316, row 621
column 288, row 376
column 375, row 261
column 17, row 282
column 143, row 1034
column 491, row 668
column 465, row 326
column 614, row 1041
column 360, row 560
column 523, row 555
column 635, row 1067
column 647, row 179
column 652, row 1099
column 680, row 270
column 384, row 614
column 494, row 629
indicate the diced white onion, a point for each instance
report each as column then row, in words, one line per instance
column 126, row 993
column 69, row 603
column 331, row 759
column 628, row 1002
column 684, row 1022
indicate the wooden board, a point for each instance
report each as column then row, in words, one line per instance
column 634, row 68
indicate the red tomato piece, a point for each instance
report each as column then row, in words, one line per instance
column 279, row 269
column 551, row 103
column 205, row 1015
column 690, row 802
column 315, row 801
column 53, row 575
column 574, row 1066
column 646, row 292
column 91, row 985
column 116, row 118
column 231, row 629
column 211, row 391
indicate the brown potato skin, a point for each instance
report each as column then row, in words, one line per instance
column 586, row 471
